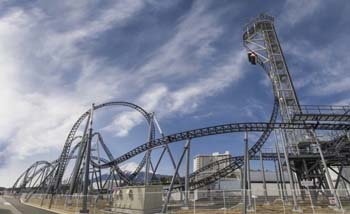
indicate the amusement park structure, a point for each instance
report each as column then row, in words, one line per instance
column 307, row 158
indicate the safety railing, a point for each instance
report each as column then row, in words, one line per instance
column 326, row 109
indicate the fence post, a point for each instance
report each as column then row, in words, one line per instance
column 311, row 201
column 194, row 206
column 223, row 195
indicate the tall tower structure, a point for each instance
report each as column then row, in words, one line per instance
column 261, row 40
column 263, row 46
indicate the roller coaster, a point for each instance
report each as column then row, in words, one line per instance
column 295, row 127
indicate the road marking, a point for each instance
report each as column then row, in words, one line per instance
column 7, row 204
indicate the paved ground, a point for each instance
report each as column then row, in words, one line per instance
column 13, row 206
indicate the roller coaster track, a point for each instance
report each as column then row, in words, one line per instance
column 115, row 167
column 252, row 151
column 238, row 161
column 34, row 165
column 234, row 163
column 110, row 157
column 62, row 160
column 224, row 129
column 337, row 142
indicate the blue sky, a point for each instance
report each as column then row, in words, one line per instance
column 183, row 60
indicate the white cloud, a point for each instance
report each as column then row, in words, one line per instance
column 329, row 69
column 295, row 11
column 41, row 100
column 184, row 100
column 179, row 59
column 47, row 81
column 343, row 102
column 125, row 121
column 183, row 53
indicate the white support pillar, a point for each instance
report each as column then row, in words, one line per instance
column 266, row 201
column 280, row 169
column 244, row 195
column 290, row 175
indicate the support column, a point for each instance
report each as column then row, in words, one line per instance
column 187, row 177
column 280, row 169
column 278, row 180
column 79, row 159
column 302, row 190
column 346, row 188
column 148, row 153
column 165, row 206
column 244, row 195
column 328, row 177
column 290, row 175
column 85, row 209
column 340, row 169
column 264, row 178
column 250, row 207
column 241, row 182
column 158, row 162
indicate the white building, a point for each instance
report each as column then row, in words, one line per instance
column 229, row 182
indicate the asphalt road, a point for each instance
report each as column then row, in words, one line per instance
column 13, row 206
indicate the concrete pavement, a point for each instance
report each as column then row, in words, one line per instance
column 9, row 205
column 7, row 208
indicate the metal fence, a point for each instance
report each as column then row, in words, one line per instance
column 199, row 201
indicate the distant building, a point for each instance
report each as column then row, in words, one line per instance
column 200, row 161
column 231, row 184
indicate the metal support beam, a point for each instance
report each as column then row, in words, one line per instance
column 99, row 161
column 328, row 176
column 266, row 201
column 241, row 171
column 187, row 175
column 250, row 206
column 346, row 188
column 148, row 153
column 280, row 169
column 338, row 177
column 302, row 191
column 158, row 162
column 165, row 206
column 278, row 181
column 85, row 209
column 244, row 196
column 345, row 179
column 290, row 175
column 79, row 159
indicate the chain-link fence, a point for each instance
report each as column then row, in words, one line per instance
column 136, row 200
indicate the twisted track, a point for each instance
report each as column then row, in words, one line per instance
column 62, row 161
column 224, row 129
column 236, row 161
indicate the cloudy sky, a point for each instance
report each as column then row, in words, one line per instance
column 184, row 60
